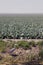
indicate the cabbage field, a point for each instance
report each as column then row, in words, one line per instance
column 25, row 26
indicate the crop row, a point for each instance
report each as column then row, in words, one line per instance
column 21, row 27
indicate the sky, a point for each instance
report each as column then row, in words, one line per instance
column 21, row 6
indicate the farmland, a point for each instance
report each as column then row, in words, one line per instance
column 21, row 39
column 26, row 26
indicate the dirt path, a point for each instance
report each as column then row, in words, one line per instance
column 36, row 40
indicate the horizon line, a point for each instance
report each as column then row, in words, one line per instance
column 21, row 13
